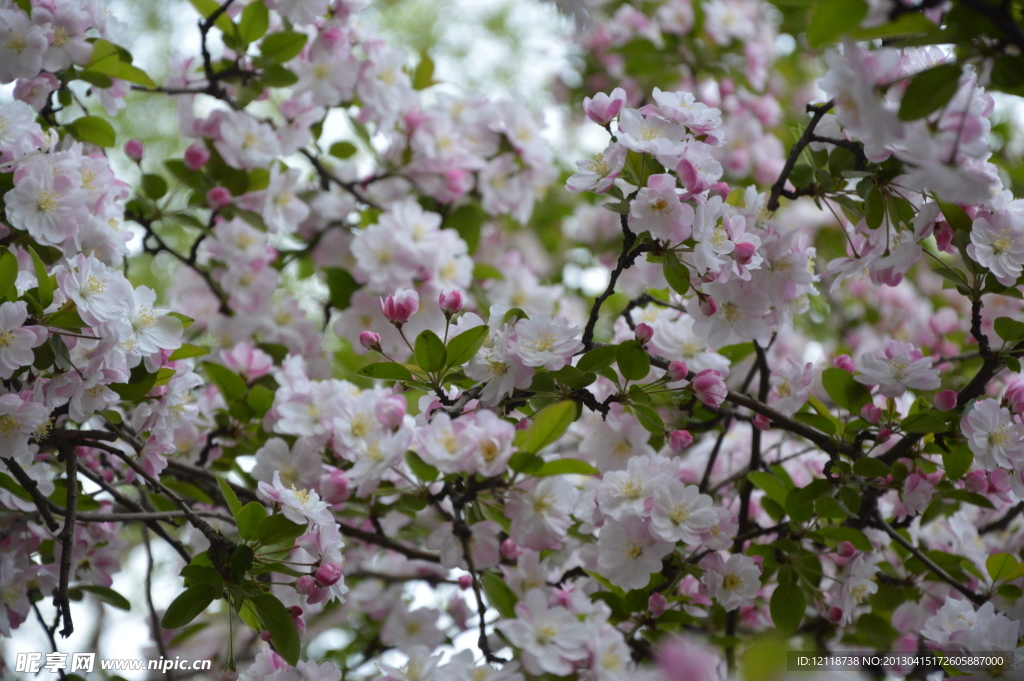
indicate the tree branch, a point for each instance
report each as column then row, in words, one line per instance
column 67, row 539
column 387, row 543
column 32, row 487
column 780, row 185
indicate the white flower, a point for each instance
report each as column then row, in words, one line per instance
column 740, row 315
column 614, row 441
column 19, row 419
column 152, row 329
column 791, row 386
column 627, row 553
column 552, row 639
column 101, row 293
column 300, row 465
column 598, row 173
column 22, row 45
column 903, row 367
column 855, row 585
column 541, row 514
column 298, row 505
column 245, row 142
column 996, row 440
column 47, row 204
column 502, row 370
column 16, row 340
column 406, row 629
column 997, row 243
column 954, row 616
column 625, row 493
column 544, row 341
column 681, row 513
column 379, row 451
column 734, row 583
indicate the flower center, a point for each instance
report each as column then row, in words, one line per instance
column 6, row 339
column 731, row 312
column 633, row 549
column 9, row 425
column 47, row 201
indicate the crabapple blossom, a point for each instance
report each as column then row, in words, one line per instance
column 903, row 367
column 681, row 513
column 733, row 582
column 995, row 439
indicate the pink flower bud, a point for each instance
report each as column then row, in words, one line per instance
column 510, row 549
column 327, row 575
column 846, row 549
column 721, row 189
column 844, row 362
column 999, row 481
column 678, row 371
column 644, row 333
column 465, row 581
column 369, row 340
column 743, row 252
column 834, row 615
column 657, row 604
column 390, row 411
column 218, row 197
column 710, row 388
column 334, row 487
column 976, row 481
column 265, row 636
column 228, row 675
column 762, row 422
column 400, row 305
column 133, row 149
column 944, row 238
column 871, row 413
column 883, row 436
column 196, row 156
column 1014, row 397
column 678, row 440
column 451, row 302
column 946, row 400
column 603, row 109
column 522, row 424
column 296, row 613
column 305, row 585
column 708, row 305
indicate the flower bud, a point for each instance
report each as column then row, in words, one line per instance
column 679, row 440
column 710, row 388
column 944, row 238
column 510, row 549
column 196, row 156
column 305, row 585
column 743, row 252
column 999, row 481
column 465, row 581
column 976, row 481
column 133, row 149
column 844, row 362
column 708, row 305
column 644, row 333
column 721, row 189
column 883, row 436
column 522, row 424
column 603, row 109
column 678, row 371
column 846, row 550
column 265, row 636
column 871, row 413
column 451, row 302
column 400, row 305
column 762, row 422
column 834, row 615
column 218, row 197
column 390, row 411
column 1014, row 397
column 334, row 487
column 657, row 604
column 946, row 400
column 327, row 574
column 369, row 340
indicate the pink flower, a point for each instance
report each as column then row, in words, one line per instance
column 683, row 660
column 710, row 388
column 133, row 149
column 644, row 333
column 450, row 302
column 328, row 574
column 871, row 413
column 679, row 440
column 946, row 400
column 708, row 305
column 249, row 361
column 218, row 197
column 657, row 604
column 917, row 493
column 1014, row 396
column 305, row 585
column 603, row 109
column 390, row 411
column 369, row 340
column 844, row 362
column 400, row 305
column 678, row 371
column 196, row 156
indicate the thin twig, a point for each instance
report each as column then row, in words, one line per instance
column 32, row 487
column 779, row 188
column 67, row 539
column 387, row 543
column 154, row 623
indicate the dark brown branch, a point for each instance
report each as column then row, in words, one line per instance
column 67, row 540
column 32, row 487
column 1004, row 522
column 154, row 622
column 387, row 543
column 746, row 487
column 780, row 185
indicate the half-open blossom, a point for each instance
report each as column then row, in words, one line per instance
column 602, row 108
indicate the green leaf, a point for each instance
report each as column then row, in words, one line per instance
column 648, row 418
column 548, row 425
column 1001, row 567
column 634, row 362
column 283, row 46
column 390, row 371
column 92, row 129
column 468, row 221
column 676, row 274
column 464, row 347
column 483, row 271
column 816, row 421
column 341, row 285
column 929, row 90
column 928, row 422
column 230, row 384
column 276, row 75
column 499, row 594
column 869, row 467
column 8, row 271
column 772, row 486
column 841, row 534
column 45, row 286
column 260, row 399
column 1010, row 592
column 108, row 596
column 234, row 505
column 187, row 351
column 254, row 22
column 154, row 186
column 956, row 216
column 874, row 208
column 788, row 602
column 566, row 467
column 829, row 19
column 241, row 560
column 424, row 75
column 828, row 507
column 207, row 7
column 420, row 468
column 8, row 483
column 138, row 386
column 187, row 606
column 1010, row 330
column 276, row 619
column 957, row 461
column 429, row 351
column 844, row 390
column 185, row 321
column 802, row 176
column 110, row 61
column 598, row 358
column 277, row 529
column 343, row 150
column 248, row 517
column 202, row 574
